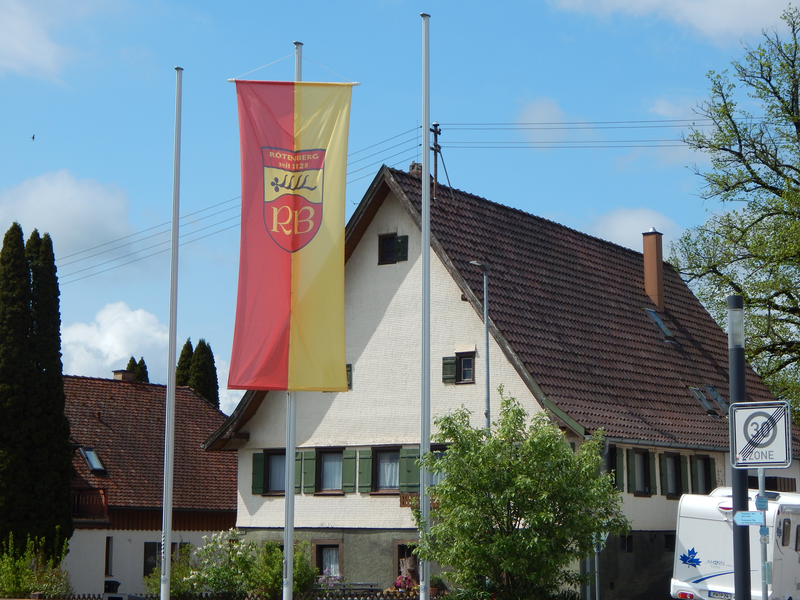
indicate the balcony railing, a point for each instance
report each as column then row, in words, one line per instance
column 90, row 504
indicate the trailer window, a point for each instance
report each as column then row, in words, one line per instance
column 787, row 532
column 796, row 538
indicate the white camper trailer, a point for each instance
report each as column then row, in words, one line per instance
column 704, row 546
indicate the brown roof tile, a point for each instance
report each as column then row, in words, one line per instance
column 124, row 422
column 571, row 307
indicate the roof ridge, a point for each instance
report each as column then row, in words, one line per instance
column 455, row 191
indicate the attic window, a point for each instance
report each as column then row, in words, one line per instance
column 715, row 394
column 660, row 324
column 392, row 248
column 92, row 460
column 701, row 398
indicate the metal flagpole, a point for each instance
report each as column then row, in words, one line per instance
column 291, row 419
column 425, row 396
column 169, row 408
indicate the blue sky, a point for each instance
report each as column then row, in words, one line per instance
column 611, row 85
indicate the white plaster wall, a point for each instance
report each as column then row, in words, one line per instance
column 383, row 333
column 85, row 561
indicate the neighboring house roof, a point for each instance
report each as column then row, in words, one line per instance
column 123, row 422
column 567, row 309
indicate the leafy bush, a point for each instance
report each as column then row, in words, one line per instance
column 24, row 571
column 179, row 571
column 227, row 564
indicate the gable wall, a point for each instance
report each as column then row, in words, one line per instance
column 382, row 305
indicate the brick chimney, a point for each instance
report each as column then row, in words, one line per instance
column 654, row 268
column 123, row 375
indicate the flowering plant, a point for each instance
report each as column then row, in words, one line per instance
column 328, row 581
column 404, row 582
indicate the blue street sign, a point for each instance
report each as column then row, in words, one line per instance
column 748, row 517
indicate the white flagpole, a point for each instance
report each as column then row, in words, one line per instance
column 169, row 408
column 425, row 396
column 291, row 418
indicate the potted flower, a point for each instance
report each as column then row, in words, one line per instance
column 404, row 582
column 437, row 585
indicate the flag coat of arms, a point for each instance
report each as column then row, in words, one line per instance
column 289, row 332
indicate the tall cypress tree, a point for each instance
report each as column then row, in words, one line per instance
column 183, row 370
column 19, row 415
column 140, row 374
column 203, row 373
column 52, row 452
column 131, row 366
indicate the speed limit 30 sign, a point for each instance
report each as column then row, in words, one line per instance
column 760, row 435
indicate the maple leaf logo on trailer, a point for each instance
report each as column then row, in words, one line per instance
column 690, row 558
column 293, row 181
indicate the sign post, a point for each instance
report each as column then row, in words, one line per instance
column 760, row 434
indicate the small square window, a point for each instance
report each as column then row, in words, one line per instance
column 392, row 248
column 459, row 368
column 465, row 367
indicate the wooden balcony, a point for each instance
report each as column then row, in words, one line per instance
column 90, row 504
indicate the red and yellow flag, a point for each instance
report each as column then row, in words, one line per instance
column 289, row 332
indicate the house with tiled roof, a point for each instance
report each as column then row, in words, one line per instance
column 117, row 432
column 597, row 335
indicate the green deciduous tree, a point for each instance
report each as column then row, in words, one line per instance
column 753, row 248
column 35, row 452
column 516, row 507
column 183, row 370
column 203, row 373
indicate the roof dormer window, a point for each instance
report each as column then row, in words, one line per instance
column 660, row 324
column 92, row 460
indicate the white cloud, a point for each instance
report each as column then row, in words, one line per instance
column 77, row 213
column 26, row 46
column 117, row 333
column 27, row 27
column 715, row 19
column 625, row 226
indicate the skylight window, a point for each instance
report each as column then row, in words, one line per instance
column 715, row 394
column 92, row 460
column 660, row 324
column 701, row 398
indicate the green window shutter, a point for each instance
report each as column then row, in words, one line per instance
column 712, row 476
column 684, row 460
column 449, row 369
column 693, row 470
column 631, row 456
column 348, row 471
column 298, row 471
column 309, row 471
column 619, row 470
column 401, row 248
column 409, row 471
column 662, row 466
column 258, row 472
column 365, row 471
column 651, row 484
